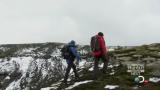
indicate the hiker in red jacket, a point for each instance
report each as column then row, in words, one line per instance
column 99, row 51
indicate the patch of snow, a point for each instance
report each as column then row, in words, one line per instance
column 56, row 84
column 81, row 63
column 7, row 67
column 56, row 53
column 49, row 88
column 77, row 84
column 101, row 65
column 4, row 49
column 111, row 49
column 88, row 64
column 91, row 69
column 154, row 80
column 111, row 87
column 112, row 73
column 28, row 50
column 25, row 51
column 13, row 85
column 23, row 62
column 7, row 78
column 135, row 87
column 110, row 66
column 53, row 86
column 116, row 65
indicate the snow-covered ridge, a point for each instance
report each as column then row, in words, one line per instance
column 33, row 66
column 28, row 67
column 25, row 67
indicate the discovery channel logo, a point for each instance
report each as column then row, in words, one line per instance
column 135, row 69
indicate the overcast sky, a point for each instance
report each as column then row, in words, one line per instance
column 123, row 22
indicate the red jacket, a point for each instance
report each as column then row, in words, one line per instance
column 103, row 49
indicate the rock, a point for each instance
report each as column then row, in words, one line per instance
column 148, row 60
column 125, row 58
column 137, row 56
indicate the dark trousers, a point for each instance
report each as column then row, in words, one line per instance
column 73, row 66
column 105, row 60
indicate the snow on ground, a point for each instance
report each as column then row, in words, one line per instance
column 154, row 79
column 4, row 49
column 91, row 69
column 15, row 62
column 49, row 88
column 54, row 86
column 28, row 50
column 14, row 84
column 56, row 53
column 111, row 87
column 58, row 83
column 7, row 67
column 8, row 77
column 112, row 73
column 116, row 65
column 111, row 49
column 25, row 51
column 23, row 62
column 101, row 66
column 82, row 63
column 77, row 84
column 110, row 66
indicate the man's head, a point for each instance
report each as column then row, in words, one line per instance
column 72, row 42
column 100, row 34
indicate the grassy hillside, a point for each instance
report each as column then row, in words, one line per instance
column 145, row 54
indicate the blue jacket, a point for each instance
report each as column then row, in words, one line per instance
column 73, row 49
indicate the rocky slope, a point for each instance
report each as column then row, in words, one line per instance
column 41, row 67
column 117, row 77
column 30, row 66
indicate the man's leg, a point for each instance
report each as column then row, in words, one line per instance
column 67, row 73
column 96, row 70
column 75, row 71
column 105, row 61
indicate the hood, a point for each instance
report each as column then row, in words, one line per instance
column 72, row 43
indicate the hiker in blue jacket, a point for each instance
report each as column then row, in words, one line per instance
column 70, row 60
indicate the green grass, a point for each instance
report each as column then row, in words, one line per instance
column 121, row 78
